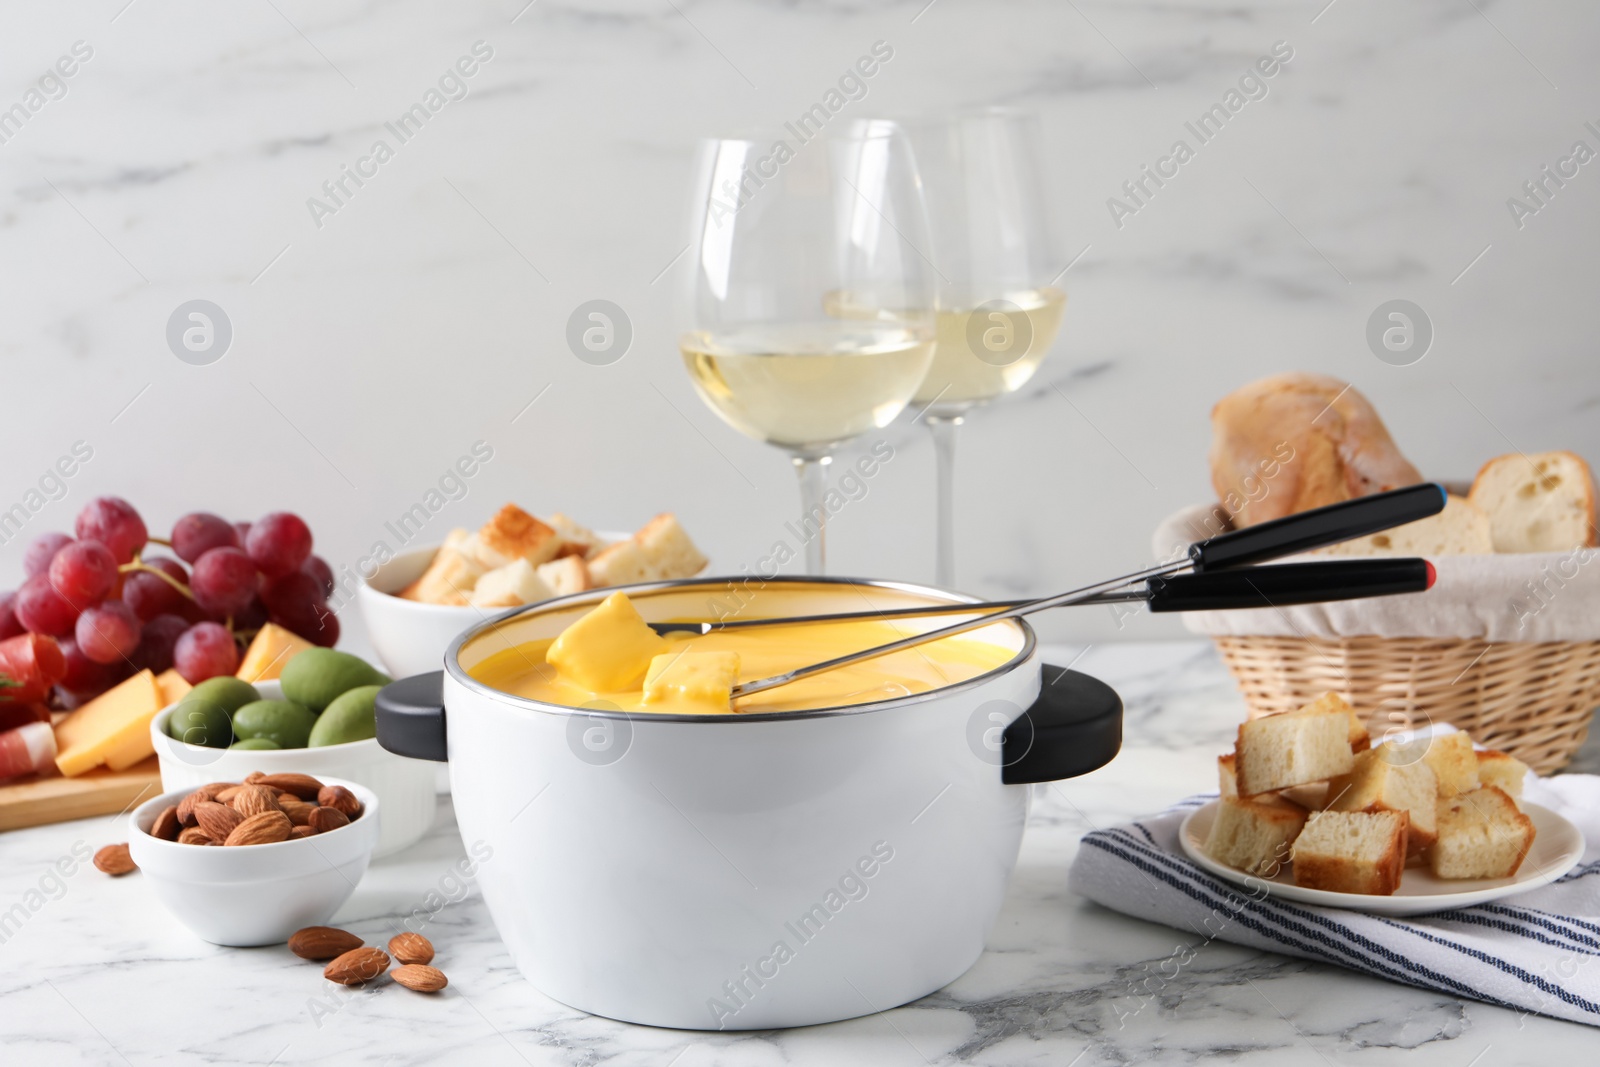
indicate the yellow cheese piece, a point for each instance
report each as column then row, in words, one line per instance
column 272, row 647
column 173, row 686
column 112, row 722
column 138, row 746
column 697, row 682
column 608, row 649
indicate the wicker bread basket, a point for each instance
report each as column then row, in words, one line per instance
column 1531, row 699
column 1402, row 666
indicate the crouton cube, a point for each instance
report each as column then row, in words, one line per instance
column 1453, row 762
column 1502, row 771
column 1383, row 779
column 1351, row 852
column 1292, row 748
column 506, row 587
column 1482, row 834
column 1254, row 834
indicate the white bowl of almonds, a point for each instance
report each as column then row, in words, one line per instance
column 251, row 862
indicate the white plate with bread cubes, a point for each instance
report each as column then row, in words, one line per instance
column 1310, row 811
column 416, row 603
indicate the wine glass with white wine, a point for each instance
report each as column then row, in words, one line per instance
column 998, row 310
column 812, row 300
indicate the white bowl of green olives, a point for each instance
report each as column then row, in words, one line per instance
column 317, row 719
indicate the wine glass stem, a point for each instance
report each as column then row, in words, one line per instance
column 813, row 471
column 943, row 428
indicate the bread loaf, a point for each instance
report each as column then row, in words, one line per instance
column 1297, row 441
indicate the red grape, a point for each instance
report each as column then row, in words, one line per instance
column 156, row 643
column 252, row 617
column 85, row 678
column 42, row 610
column 289, row 591
column 113, row 522
column 224, row 581
column 36, row 560
column 9, row 626
column 109, row 632
column 199, row 531
column 148, row 595
column 312, row 620
column 83, row 573
column 278, row 543
column 205, row 650
column 318, row 568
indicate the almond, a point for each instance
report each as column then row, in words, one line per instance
column 298, row 810
column 225, row 796
column 300, row 832
column 254, row 776
column 411, row 948
column 263, row 829
column 322, row 942
column 357, row 966
column 115, row 861
column 205, row 792
column 217, row 820
column 422, row 979
column 324, row 819
column 301, row 785
column 255, row 799
column 166, row 825
column 193, row 835
column 337, row 796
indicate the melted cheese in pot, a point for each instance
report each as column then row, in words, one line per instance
column 691, row 686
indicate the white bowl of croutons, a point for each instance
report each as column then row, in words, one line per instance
column 415, row 604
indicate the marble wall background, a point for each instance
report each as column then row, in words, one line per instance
column 429, row 311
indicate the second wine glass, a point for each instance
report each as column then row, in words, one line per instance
column 812, row 297
column 998, row 313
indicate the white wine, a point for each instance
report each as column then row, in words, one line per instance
column 1008, row 350
column 809, row 386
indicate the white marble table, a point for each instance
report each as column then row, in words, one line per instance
column 101, row 974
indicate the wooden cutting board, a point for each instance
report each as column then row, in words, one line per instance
column 58, row 799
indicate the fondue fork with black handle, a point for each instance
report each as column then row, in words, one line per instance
column 1223, row 577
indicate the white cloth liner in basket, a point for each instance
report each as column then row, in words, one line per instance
column 1526, row 597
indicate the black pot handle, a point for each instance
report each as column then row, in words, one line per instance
column 411, row 717
column 1073, row 728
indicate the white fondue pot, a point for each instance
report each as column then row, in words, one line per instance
column 747, row 871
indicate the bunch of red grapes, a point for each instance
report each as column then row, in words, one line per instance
column 113, row 611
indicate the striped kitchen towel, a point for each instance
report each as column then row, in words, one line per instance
column 1536, row 952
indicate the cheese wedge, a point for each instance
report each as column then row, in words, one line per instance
column 173, row 686
column 607, row 650
column 694, row 682
column 272, row 647
column 117, row 722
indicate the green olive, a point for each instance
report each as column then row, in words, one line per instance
column 283, row 722
column 200, row 722
column 349, row 718
column 256, row 744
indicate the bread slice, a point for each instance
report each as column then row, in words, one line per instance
column 574, row 540
column 506, row 587
column 668, row 548
column 512, row 534
column 1313, row 796
column 1454, row 763
column 1294, row 748
column 450, row 579
column 1461, row 529
column 1501, row 771
column 566, row 574
column 1254, row 834
column 1538, row 503
column 1383, row 780
column 1482, row 834
column 621, row 564
column 1351, row 852
column 1360, row 739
